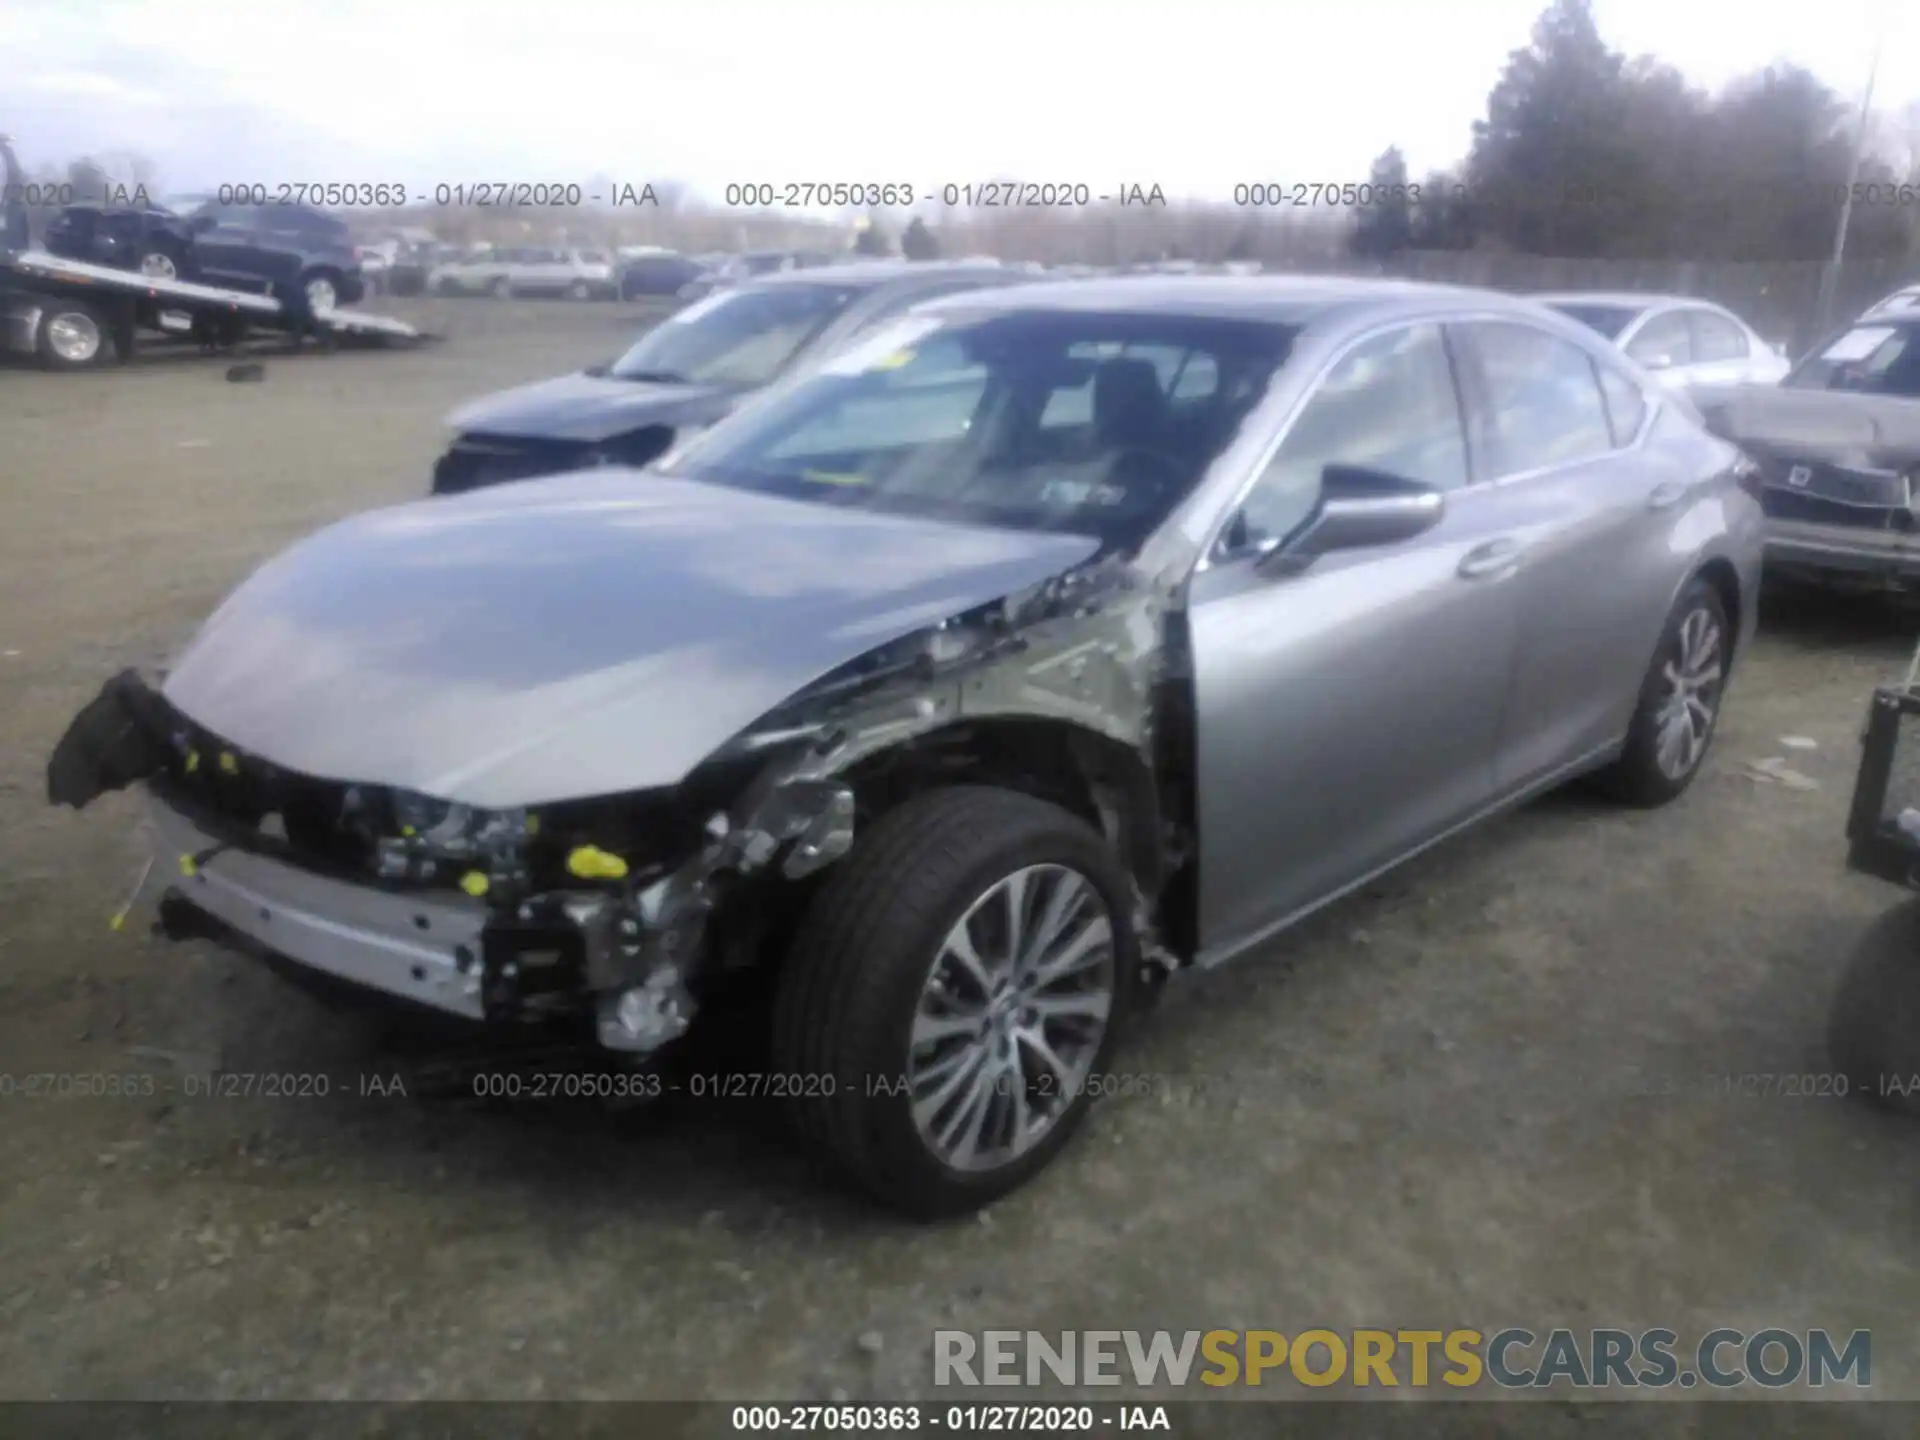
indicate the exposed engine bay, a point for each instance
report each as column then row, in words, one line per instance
column 624, row 912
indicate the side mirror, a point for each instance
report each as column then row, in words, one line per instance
column 1359, row 509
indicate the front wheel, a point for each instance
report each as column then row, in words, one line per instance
column 1679, row 703
column 952, row 996
column 1873, row 1030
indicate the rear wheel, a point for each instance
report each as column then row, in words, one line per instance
column 162, row 263
column 501, row 289
column 72, row 336
column 1679, row 703
column 955, row 986
column 321, row 289
column 579, row 290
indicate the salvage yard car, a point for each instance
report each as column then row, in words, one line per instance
column 1040, row 645
column 1838, row 450
column 686, row 372
column 1684, row 342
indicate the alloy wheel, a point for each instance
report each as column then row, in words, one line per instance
column 1692, row 676
column 1011, row 1016
column 74, row 338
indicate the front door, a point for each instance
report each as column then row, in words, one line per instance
column 1347, row 714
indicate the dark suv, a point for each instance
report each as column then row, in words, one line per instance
column 291, row 251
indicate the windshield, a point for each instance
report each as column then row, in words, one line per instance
column 1608, row 320
column 1870, row 359
column 740, row 338
column 1093, row 424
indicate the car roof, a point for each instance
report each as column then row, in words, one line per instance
column 884, row 272
column 1623, row 299
column 1276, row 299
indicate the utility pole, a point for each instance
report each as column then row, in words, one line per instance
column 1830, row 279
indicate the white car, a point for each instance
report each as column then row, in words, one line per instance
column 478, row 272
column 576, row 274
column 1683, row 341
column 1904, row 301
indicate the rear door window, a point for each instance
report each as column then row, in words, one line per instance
column 1544, row 406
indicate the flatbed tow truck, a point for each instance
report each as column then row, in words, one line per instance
column 72, row 314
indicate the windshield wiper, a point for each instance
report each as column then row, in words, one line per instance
column 653, row 377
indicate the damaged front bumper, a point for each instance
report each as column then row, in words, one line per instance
column 427, row 949
column 625, row 958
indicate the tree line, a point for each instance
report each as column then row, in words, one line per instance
column 1586, row 153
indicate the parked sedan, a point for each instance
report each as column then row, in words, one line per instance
column 686, row 372
column 1838, row 447
column 1684, row 342
column 575, row 274
column 1032, row 650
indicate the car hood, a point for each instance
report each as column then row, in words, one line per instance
column 578, row 636
column 591, row 408
column 1832, row 427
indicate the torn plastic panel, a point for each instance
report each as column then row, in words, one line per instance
column 119, row 738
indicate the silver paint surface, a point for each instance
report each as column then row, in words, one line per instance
column 578, row 636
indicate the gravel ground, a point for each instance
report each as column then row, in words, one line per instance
column 1428, row 1106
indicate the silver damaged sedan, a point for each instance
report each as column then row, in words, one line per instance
column 1049, row 642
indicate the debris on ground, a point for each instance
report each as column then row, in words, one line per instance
column 1774, row 770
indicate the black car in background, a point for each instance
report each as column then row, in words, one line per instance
column 648, row 275
column 290, row 251
column 688, row 371
column 150, row 239
column 1837, row 449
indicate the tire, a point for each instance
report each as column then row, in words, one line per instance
column 1873, row 1029
column 320, row 291
column 579, row 290
column 865, row 959
column 73, row 336
column 1640, row 776
column 444, row 286
column 501, row 289
column 162, row 263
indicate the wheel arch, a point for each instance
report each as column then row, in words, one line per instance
column 1719, row 572
column 1103, row 781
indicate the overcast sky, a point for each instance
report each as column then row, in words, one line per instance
column 1192, row 95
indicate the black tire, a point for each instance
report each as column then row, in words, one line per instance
column 848, row 989
column 580, row 290
column 1873, row 1029
column 1637, row 777
column 73, row 336
column 501, row 289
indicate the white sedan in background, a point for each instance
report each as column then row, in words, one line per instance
column 1684, row 342
column 1904, row 301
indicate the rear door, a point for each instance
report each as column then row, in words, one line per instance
column 1722, row 352
column 1592, row 508
column 1663, row 343
column 225, row 241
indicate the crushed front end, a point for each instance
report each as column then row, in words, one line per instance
column 590, row 911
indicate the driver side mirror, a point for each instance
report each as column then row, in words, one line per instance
column 1359, row 509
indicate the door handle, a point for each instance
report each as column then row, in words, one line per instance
column 1667, row 494
column 1496, row 557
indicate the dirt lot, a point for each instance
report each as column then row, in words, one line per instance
column 1424, row 1108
